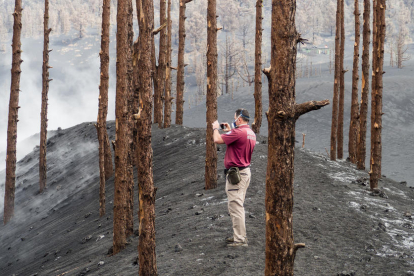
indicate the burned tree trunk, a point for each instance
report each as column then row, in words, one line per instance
column 146, row 244
column 340, row 130
column 168, row 99
column 45, row 91
column 373, row 79
column 180, row 68
column 130, row 129
column 105, row 156
column 13, row 114
column 122, row 181
column 375, row 173
column 361, row 151
column 354, row 122
column 161, row 70
column 282, row 115
column 334, row 127
column 258, row 70
column 211, row 99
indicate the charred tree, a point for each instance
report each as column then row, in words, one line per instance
column 146, row 244
column 282, row 115
column 258, row 70
column 168, row 99
column 340, row 133
column 180, row 68
column 361, row 151
column 334, row 127
column 13, row 114
column 375, row 173
column 45, row 91
column 373, row 79
column 105, row 155
column 211, row 98
column 122, row 181
column 354, row 122
column 130, row 129
column 161, row 69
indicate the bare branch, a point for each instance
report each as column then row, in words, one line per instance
column 159, row 29
column 266, row 71
column 309, row 106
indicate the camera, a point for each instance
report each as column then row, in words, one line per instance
column 223, row 126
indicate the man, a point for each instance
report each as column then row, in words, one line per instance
column 240, row 142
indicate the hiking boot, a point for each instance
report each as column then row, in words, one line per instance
column 237, row 244
column 231, row 240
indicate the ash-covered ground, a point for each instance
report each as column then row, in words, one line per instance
column 347, row 231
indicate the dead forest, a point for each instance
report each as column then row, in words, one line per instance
column 249, row 48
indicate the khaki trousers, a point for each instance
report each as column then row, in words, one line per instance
column 236, row 195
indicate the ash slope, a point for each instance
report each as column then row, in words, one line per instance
column 59, row 232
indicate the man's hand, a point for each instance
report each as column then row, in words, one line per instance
column 226, row 126
column 216, row 125
column 216, row 135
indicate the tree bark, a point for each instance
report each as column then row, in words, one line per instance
column 45, row 91
column 334, row 127
column 211, row 98
column 340, row 133
column 354, row 122
column 373, row 79
column 161, row 70
column 180, row 68
column 146, row 244
column 258, row 70
column 130, row 130
column 13, row 114
column 168, row 99
column 122, row 182
column 105, row 156
column 282, row 115
column 364, row 89
column 375, row 173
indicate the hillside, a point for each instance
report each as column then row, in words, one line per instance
column 346, row 229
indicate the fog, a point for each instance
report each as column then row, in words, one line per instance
column 73, row 93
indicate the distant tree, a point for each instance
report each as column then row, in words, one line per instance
column 45, row 91
column 180, row 68
column 282, row 115
column 244, row 72
column 375, row 172
column 122, row 181
column 401, row 48
column 146, row 243
column 211, row 99
column 257, row 69
column 354, row 122
column 168, row 99
column 340, row 134
column 245, row 28
column 10, row 183
column 361, row 150
column 64, row 21
column 230, row 59
column 79, row 21
column 334, row 127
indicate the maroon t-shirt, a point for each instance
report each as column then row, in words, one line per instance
column 240, row 144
